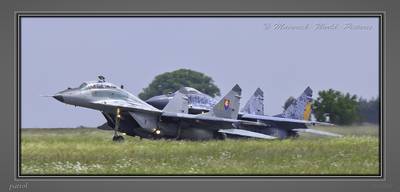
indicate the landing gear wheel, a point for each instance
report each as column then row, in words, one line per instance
column 293, row 134
column 118, row 138
column 220, row 136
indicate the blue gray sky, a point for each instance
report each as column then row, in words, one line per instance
column 282, row 56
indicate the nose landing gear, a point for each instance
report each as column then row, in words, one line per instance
column 117, row 137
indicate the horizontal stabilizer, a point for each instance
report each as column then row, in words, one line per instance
column 282, row 119
column 245, row 133
column 249, row 123
column 321, row 123
column 317, row 132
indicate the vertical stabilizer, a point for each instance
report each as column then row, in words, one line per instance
column 301, row 107
column 255, row 105
column 228, row 106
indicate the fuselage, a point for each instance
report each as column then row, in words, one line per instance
column 105, row 97
column 90, row 94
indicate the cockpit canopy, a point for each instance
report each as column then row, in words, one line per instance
column 97, row 85
column 83, row 85
column 190, row 90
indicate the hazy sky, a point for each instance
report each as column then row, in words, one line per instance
column 282, row 56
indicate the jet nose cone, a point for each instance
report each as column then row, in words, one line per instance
column 59, row 97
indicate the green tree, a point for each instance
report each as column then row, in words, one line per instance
column 369, row 110
column 342, row 109
column 171, row 81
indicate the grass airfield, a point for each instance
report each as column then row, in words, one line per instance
column 89, row 151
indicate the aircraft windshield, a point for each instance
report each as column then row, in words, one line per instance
column 192, row 90
column 82, row 85
column 101, row 86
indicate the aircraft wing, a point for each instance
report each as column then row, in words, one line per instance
column 211, row 122
column 246, row 133
column 223, row 125
column 126, row 105
column 281, row 119
column 317, row 132
column 199, row 118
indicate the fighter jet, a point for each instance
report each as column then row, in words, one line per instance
column 128, row 114
column 292, row 121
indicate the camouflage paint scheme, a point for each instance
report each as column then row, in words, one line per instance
column 287, row 124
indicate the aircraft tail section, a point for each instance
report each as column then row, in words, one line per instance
column 255, row 105
column 300, row 108
column 178, row 104
column 228, row 106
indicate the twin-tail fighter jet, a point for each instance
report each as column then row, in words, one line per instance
column 292, row 121
column 126, row 113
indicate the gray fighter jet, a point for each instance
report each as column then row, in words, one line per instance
column 128, row 114
column 293, row 120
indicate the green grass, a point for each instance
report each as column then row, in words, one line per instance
column 91, row 152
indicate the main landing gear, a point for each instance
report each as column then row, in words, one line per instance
column 117, row 137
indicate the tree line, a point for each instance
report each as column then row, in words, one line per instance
column 344, row 108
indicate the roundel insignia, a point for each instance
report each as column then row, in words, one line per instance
column 227, row 102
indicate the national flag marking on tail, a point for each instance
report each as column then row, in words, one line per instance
column 227, row 102
column 307, row 111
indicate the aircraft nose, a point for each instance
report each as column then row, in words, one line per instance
column 59, row 97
